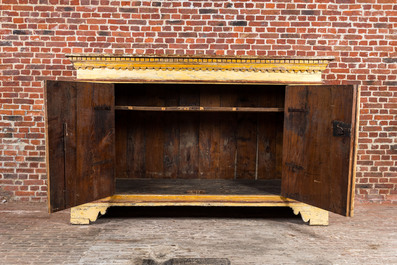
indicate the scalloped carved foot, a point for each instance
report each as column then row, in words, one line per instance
column 314, row 215
column 86, row 213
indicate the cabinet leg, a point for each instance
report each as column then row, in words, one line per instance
column 314, row 215
column 86, row 213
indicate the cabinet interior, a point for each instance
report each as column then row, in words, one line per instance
column 198, row 138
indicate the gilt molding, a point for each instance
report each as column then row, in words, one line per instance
column 223, row 69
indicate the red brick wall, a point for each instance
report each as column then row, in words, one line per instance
column 35, row 35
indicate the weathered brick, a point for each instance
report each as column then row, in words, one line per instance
column 289, row 35
column 207, row 11
column 5, row 43
column 238, row 23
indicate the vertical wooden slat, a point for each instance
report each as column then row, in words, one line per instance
column 279, row 127
column 171, row 135
column 353, row 156
column 246, row 138
column 121, row 132
column 228, row 141
column 209, row 134
column 136, row 145
column 60, row 116
column 267, row 146
column 270, row 133
column 154, row 134
column 189, row 128
column 94, row 141
column 103, row 144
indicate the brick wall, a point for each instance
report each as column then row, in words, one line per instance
column 35, row 35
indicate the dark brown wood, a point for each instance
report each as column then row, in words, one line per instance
column 198, row 186
column 316, row 164
column 200, row 109
column 189, row 135
column 179, row 144
column 228, row 132
column 269, row 143
column 154, row 135
column 121, row 145
column 246, row 146
column 247, row 141
column 209, row 134
column 59, row 117
column 80, row 142
column 171, row 138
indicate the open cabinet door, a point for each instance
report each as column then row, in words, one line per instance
column 319, row 146
column 80, row 142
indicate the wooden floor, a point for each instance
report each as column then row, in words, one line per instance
column 198, row 186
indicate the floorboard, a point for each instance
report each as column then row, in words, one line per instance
column 198, row 186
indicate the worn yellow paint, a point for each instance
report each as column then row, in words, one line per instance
column 164, row 76
column 311, row 214
column 86, row 213
column 126, row 68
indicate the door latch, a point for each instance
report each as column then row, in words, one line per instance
column 341, row 129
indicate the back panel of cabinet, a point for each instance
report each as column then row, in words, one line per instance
column 217, row 144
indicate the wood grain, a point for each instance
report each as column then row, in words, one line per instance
column 198, row 186
column 189, row 135
column 198, row 144
column 209, row 134
column 80, row 142
column 316, row 164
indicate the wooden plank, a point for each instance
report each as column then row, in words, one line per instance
column 94, row 141
column 199, row 109
column 209, row 134
column 279, row 145
column 131, row 146
column 270, row 133
column 246, row 146
column 196, row 200
column 121, row 131
column 228, row 132
column 60, row 117
column 198, row 186
column 267, row 135
column 154, row 151
column 154, row 134
column 103, row 144
column 316, row 162
column 136, row 146
column 355, row 130
column 171, row 137
column 188, row 133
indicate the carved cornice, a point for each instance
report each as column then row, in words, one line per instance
column 249, row 64
column 129, row 68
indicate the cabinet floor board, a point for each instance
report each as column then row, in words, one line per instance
column 198, row 186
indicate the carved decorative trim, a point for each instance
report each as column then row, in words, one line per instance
column 284, row 65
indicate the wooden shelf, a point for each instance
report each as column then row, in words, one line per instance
column 200, row 109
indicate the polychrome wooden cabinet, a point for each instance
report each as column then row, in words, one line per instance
column 138, row 144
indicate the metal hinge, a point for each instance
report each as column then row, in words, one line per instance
column 341, row 129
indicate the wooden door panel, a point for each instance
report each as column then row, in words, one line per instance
column 318, row 146
column 80, row 142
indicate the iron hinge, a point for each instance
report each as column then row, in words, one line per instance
column 341, row 129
